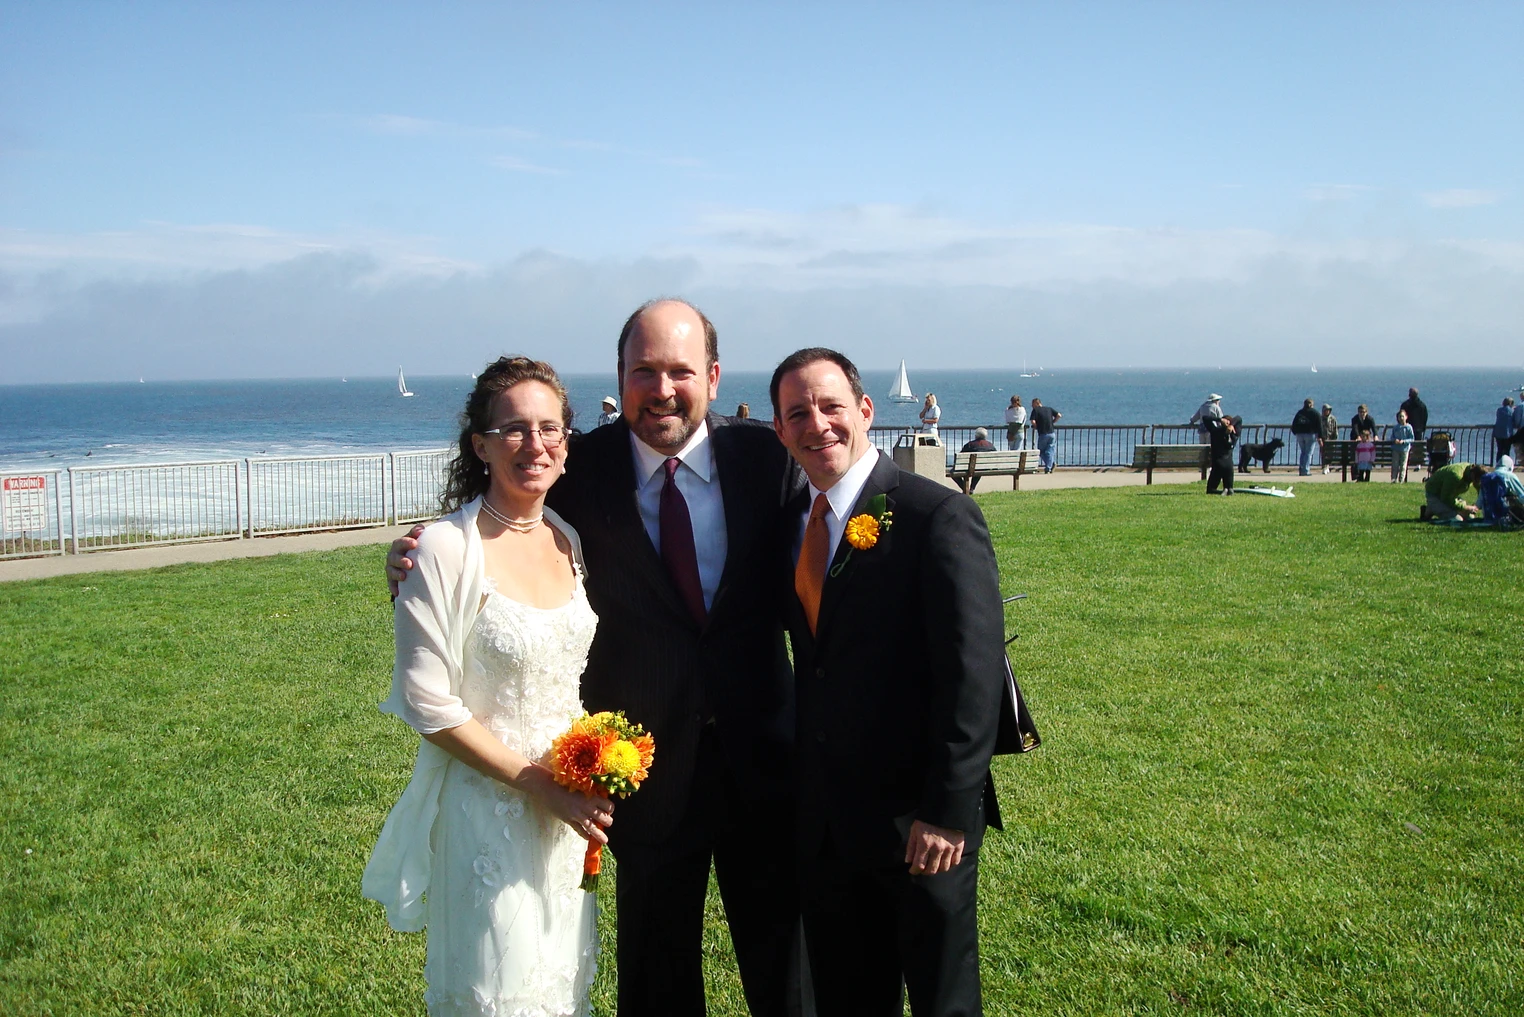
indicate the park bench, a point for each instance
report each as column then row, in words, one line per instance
column 1171, row 457
column 1341, row 453
column 968, row 465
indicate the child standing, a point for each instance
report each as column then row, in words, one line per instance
column 1402, row 442
column 1365, row 456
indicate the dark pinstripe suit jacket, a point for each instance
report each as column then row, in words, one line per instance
column 650, row 659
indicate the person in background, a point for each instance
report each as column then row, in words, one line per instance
column 1045, row 422
column 1209, row 410
column 610, row 411
column 1501, row 495
column 1502, row 429
column 1015, row 424
column 1518, row 426
column 1305, row 428
column 1365, row 456
column 1328, row 430
column 1402, row 444
column 1362, row 422
column 743, row 411
column 1418, row 414
column 1222, row 434
column 931, row 413
column 980, row 443
column 1445, row 489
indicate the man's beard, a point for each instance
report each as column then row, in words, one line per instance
column 670, row 434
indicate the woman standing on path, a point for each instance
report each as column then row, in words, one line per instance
column 930, row 414
column 492, row 638
column 1015, row 424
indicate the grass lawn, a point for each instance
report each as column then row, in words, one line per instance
column 1282, row 773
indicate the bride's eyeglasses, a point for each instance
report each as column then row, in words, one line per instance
column 514, row 435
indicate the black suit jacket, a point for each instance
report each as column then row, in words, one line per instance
column 900, row 688
column 649, row 657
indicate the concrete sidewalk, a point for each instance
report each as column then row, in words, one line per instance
column 222, row 550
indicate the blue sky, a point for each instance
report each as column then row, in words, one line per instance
column 261, row 190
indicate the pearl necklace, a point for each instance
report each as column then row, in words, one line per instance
column 516, row 525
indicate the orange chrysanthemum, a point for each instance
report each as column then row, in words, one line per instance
column 862, row 532
column 575, row 755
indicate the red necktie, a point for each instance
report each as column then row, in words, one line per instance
column 814, row 556
column 677, row 551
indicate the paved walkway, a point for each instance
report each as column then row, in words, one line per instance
column 178, row 554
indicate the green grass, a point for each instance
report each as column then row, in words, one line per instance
column 1281, row 773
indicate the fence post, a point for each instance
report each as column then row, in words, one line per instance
column 73, row 517
column 248, row 472
column 391, row 463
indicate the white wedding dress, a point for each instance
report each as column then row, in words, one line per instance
column 509, row 932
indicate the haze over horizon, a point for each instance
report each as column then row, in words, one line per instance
column 268, row 192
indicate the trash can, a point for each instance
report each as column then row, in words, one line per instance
column 921, row 453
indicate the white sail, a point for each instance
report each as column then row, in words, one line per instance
column 901, row 393
column 402, row 385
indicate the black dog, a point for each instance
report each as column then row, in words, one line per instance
column 1264, row 453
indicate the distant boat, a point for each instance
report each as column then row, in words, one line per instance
column 1314, row 368
column 1024, row 372
column 140, row 380
column 402, row 385
column 901, row 393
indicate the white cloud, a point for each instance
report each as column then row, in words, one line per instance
column 1461, row 198
column 517, row 165
column 892, row 244
column 1335, row 192
column 880, row 280
column 406, row 126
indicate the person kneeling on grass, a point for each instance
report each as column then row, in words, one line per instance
column 1500, row 495
column 1444, row 489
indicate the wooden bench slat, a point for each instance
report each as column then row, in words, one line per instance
column 996, row 463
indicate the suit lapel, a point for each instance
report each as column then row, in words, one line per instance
column 884, row 478
column 739, row 500
column 621, row 511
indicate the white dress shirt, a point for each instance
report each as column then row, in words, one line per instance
column 842, row 497
column 699, row 482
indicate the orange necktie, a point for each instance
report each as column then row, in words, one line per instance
column 814, row 556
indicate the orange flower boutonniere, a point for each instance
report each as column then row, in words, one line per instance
column 864, row 530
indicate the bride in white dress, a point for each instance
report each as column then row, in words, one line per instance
column 484, row 849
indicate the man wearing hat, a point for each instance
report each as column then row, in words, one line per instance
column 1209, row 410
column 610, row 411
column 980, row 443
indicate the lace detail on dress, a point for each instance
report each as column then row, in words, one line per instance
column 510, row 933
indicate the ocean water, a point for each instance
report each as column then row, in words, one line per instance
column 56, row 426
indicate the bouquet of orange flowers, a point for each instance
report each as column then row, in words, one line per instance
column 601, row 754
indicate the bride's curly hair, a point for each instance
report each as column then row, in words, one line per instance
column 466, row 477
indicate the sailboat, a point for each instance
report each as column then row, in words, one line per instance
column 1024, row 372
column 402, row 385
column 1314, row 368
column 901, row 393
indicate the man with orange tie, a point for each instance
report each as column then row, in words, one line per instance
column 898, row 640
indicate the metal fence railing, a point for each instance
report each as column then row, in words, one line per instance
column 131, row 506
column 1110, row 446
column 417, row 480
column 104, row 507
column 316, row 493
column 31, row 514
